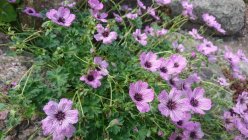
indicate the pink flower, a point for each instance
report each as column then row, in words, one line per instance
column 99, row 16
column 242, row 56
column 161, row 32
column 176, row 64
column 194, row 134
column 178, row 47
column 149, row 61
column 177, row 136
column 68, row 3
column 140, row 37
column 194, row 33
column 92, row 78
column 232, row 58
column 207, row 48
column 172, row 105
column 229, row 119
column 243, row 99
column 188, row 9
column 160, row 133
column 96, row 5
column 211, row 22
column 187, row 83
column 141, row 4
column 105, row 35
column 60, row 119
column 118, row 18
column 131, row 16
column 62, row 16
column 197, row 102
column 151, row 11
column 163, row 2
column 31, row 11
column 11, row 1
column 141, row 95
column 163, row 69
column 184, row 123
column 102, row 65
column 223, row 81
column 149, row 31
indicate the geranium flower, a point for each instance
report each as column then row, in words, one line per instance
column 163, row 2
column 151, row 11
column 161, row 32
column 96, row 5
column 243, row 99
column 141, row 4
column 68, row 3
column 207, row 48
column 229, row 119
column 211, row 22
column 172, row 105
column 194, row 33
column 177, row 136
column 188, row 9
column 176, row 64
column 149, row 61
column 232, row 58
column 141, row 95
column 131, row 16
column 118, row 18
column 60, row 119
column 194, row 134
column 184, row 123
column 163, row 69
column 223, row 81
column 242, row 56
column 140, row 37
column 99, row 16
column 105, row 35
column 62, row 16
column 178, row 47
column 11, row 1
column 31, row 11
column 92, row 78
column 102, row 65
column 149, row 31
column 197, row 102
column 187, row 83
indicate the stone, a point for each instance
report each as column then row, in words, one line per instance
column 229, row 13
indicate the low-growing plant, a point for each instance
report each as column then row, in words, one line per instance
column 125, row 74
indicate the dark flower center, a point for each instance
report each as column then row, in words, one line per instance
column 193, row 134
column 138, row 97
column 242, row 101
column 61, row 19
column 180, row 123
column 163, row 69
column 228, row 121
column 148, row 64
column 178, row 138
column 60, row 116
column 98, row 68
column 105, row 33
column 138, row 37
column 208, row 45
column 30, row 11
column 172, row 82
column 176, row 65
column 194, row 102
column 90, row 78
column 171, row 105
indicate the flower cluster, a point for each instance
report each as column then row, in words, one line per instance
column 93, row 78
column 60, row 119
column 211, row 22
column 31, row 12
column 236, row 118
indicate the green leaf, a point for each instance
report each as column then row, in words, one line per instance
column 7, row 12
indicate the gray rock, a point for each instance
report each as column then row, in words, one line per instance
column 230, row 13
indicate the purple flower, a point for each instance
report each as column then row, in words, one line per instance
column 62, row 16
column 187, row 83
column 96, row 5
column 161, row 32
column 31, row 11
column 118, row 18
column 141, row 4
column 160, row 133
column 194, row 33
column 163, row 2
column 178, row 47
column 232, row 58
column 242, row 126
column 99, row 16
column 174, row 82
column 163, row 69
column 140, row 37
column 92, row 78
column 195, row 133
column 222, row 81
column 102, row 65
column 177, row 136
column 197, row 102
column 11, row 1
column 60, row 119
column 176, row 64
column 105, row 35
column 68, row 3
column 149, row 31
column 184, row 123
column 229, row 119
column 211, row 22
column 207, row 48
column 242, row 56
column 131, row 16
column 151, row 11
column 188, row 9
column 172, row 105
column 243, row 99
column 141, row 95
column 149, row 61
column 239, row 137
